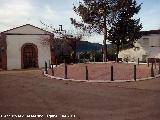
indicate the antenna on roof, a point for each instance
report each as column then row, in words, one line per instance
column 61, row 29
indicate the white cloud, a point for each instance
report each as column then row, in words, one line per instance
column 14, row 13
column 18, row 12
column 15, row 9
column 50, row 14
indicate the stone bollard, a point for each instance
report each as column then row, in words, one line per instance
column 152, row 70
column 52, row 70
column 112, row 73
column 86, row 71
column 159, row 68
column 46, row 71
column 65, row 70
column 135, row 73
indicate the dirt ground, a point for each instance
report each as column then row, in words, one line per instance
column 30, row 93
column 101, row 71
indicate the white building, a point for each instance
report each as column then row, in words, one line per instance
column 146, row 47
column 26, row 46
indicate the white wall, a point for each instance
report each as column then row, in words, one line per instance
column 145, row 48
column 14, row 45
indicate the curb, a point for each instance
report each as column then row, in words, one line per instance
column 99, row 81
column 59, row 78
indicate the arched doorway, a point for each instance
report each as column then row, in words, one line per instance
column 29, row 56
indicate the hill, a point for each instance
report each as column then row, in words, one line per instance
column 85, row 46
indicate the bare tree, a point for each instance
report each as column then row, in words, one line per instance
column 64, row 43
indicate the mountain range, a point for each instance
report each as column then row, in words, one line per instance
column 85, row 46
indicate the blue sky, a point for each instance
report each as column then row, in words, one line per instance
column 14, row 13
column 149, row 14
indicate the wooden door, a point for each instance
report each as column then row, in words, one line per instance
column 0, row 59
column 29, row 56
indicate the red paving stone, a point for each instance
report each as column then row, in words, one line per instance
column 102, row 71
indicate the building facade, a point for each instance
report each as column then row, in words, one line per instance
column 26, row 46
column 148, row 46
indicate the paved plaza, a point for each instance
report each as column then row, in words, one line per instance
column 28, row 92
column 102, row 71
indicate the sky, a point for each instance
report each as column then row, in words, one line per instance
column 14, row 13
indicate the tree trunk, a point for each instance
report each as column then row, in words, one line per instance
column 75, row 52
column 104, row 41
column 104, row 51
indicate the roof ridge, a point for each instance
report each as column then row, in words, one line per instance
column 151, row 32
column 26, row 25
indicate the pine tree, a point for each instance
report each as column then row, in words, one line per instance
column 112, row 18
column 126, row 30
column 96, row 17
